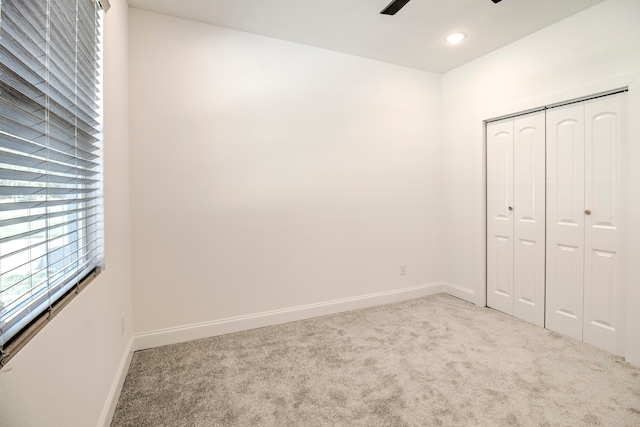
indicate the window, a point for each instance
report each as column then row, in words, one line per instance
column 50, row 160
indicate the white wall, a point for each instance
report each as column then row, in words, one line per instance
column 268, row 175
column 68, row 373
column 592, row 51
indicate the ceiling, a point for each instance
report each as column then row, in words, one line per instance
column 414, row 37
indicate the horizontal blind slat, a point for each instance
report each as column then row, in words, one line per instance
column 15, row 190
column 90, row 223
column 42, row 216
column 38, row 231
column 50, row 250
column 55, row 259
column 19, row 175
column 15, row 85
column 33, row 98
column 42, row 164
column 14, row 136
column 58, row 91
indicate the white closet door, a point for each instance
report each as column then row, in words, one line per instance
column 500, row 215
column 603, row 292
column 529, row 217
column 565, row 220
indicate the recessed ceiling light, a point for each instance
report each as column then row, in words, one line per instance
column 455, row 38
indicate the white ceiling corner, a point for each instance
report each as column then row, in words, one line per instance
column 414, row 37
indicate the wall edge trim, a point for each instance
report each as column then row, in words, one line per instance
column 461, row 292
column 184, row 333
column 110, row 404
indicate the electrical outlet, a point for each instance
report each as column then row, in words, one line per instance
column 122, row 324
column 403, row 269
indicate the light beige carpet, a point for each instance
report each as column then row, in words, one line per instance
column 425, row 362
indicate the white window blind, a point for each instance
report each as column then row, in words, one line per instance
column 50, row 156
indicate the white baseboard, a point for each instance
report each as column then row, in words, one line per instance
column 269, row 318
column 114, row 392
column 459, row 292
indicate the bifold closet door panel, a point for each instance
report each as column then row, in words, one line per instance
column 529, row 217
column 565, row 220
column 500, row 215
column 604, row 302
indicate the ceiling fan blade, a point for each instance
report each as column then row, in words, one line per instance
column 393, row 7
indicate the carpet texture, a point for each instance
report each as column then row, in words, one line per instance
column 425, row 362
